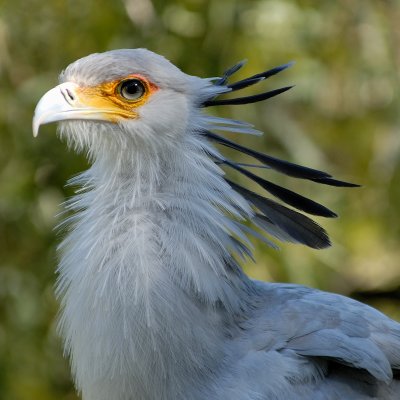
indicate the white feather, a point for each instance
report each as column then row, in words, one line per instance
column 154, row 305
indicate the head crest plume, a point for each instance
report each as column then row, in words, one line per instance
column 274, row 218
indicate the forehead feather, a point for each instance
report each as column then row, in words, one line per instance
column 102, row 67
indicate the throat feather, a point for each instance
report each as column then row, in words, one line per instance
column 149, row 248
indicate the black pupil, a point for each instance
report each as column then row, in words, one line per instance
column 132, row 89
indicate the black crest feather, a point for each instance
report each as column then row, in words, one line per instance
column 275, row 219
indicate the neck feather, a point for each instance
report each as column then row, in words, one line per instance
column 149, row 249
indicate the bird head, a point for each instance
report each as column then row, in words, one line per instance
column 119, row 97
column 129, row 105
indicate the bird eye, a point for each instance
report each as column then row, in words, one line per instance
column 131, row 89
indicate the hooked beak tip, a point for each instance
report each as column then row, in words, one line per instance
column 52, row 107
column 35, row 127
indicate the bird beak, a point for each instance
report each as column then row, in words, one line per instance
column 68, row 101
column 56, row 105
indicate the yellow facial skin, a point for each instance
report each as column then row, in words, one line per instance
column 107, row 97
column 104, row 102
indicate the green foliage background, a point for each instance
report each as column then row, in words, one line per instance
column 342, row 117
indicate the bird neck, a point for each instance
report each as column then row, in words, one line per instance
column 168, row 207
column 147, row 258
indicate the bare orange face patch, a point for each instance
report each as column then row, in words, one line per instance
column 108, row 99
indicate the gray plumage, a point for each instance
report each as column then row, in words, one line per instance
column 154, row 303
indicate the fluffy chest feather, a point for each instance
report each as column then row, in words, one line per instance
column 140, row 286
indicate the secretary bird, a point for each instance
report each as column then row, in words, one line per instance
column 154, row 303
